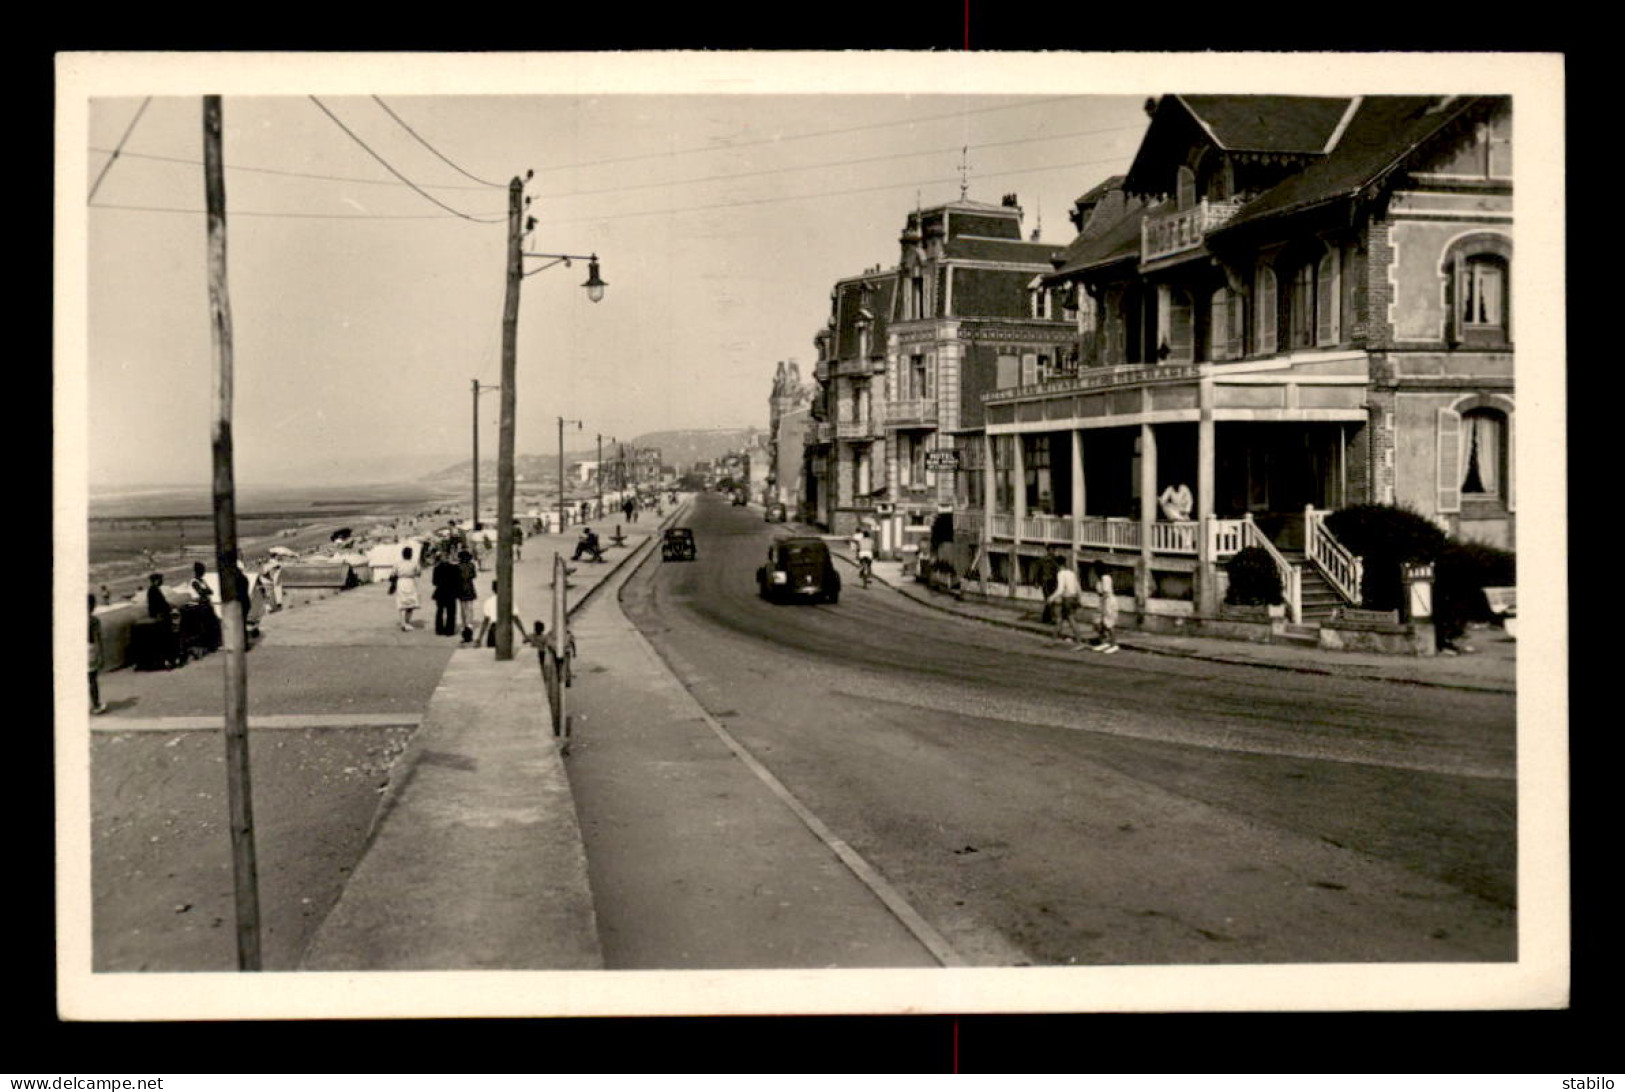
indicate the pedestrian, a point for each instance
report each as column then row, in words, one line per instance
column 488, row 621
column 404, row 582
column 95, row 659
column 628, row 507
column 208, row 620
column 1048, row 573
column 467, row 592
column 448, row 582
column 1105, row 637
column 164, row 648
column 107, row 596
column 271, row 581
column 1065, row 600
column 518, row 542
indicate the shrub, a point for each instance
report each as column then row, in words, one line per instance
column 1254, row 579
column 1462, row 572
column 1386, row 538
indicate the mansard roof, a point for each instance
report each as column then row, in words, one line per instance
column 978, row 248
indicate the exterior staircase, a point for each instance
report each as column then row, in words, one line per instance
column 1317, row 597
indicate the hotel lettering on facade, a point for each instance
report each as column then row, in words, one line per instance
column 1287, row 305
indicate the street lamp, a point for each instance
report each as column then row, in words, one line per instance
column 479, row 389
column 518, row 228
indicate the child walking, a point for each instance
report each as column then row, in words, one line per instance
column 1105, row 637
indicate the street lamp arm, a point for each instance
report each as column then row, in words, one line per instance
column 540, row 268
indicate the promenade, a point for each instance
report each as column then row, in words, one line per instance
column 410, row 802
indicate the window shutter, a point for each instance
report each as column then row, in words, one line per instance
column 1234, row 349
column 1452, row 308
column 1266, row 311
column 1508, row 489
column 1029, row 369
column 1449, row 461
column 1327, row 295
column 1218, row 325
column 1179, row 329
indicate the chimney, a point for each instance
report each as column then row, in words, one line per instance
column 1010, row 201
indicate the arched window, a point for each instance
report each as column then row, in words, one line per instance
column 1477, row 272
column 1476, row 453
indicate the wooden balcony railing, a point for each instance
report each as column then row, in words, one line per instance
column 855, row 430
column 1002, row 526
column 1042, row 528
column 1173, row 232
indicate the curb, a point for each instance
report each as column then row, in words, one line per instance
column 1185, row 654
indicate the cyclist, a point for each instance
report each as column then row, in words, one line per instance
column 864, row 547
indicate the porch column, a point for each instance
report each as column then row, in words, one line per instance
column 989, row 486
column 1019, row 505
column 1077, row 493
column 1148, row 516
column 1207, row 598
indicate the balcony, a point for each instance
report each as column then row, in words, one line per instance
column 821, row 432
column 1163, row 236
column 912, row 413
column 821, row 371
column 858, row 367
column 855, row 430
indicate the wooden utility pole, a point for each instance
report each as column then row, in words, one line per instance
column 475, row 516
column 239, row 786
column 505, row 453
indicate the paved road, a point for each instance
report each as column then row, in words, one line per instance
column 1043, row 806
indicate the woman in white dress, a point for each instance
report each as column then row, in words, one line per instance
column 406, row 587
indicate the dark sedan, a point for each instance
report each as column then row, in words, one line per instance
column 799, row 569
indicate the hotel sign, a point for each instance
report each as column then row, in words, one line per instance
column 942, row 460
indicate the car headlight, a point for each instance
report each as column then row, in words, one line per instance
column 781, row 578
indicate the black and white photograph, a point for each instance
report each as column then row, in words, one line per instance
column 823, row 533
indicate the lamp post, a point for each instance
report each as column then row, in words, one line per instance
column 562, row 422
column 479, row 389
column 518, row 227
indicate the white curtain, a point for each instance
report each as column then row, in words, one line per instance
column 1481, row 438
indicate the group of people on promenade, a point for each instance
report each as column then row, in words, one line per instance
column 454, row 574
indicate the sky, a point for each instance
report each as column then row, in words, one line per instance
column 362, row 310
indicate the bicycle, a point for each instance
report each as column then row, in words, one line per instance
column 866, row 567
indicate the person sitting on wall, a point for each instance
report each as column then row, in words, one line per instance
column 588, row 544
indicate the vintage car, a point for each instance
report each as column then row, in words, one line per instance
column 677, row 544
column 776, row 513
column 799, row 570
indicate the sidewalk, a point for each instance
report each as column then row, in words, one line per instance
column 1492, row 667
column 476, row 861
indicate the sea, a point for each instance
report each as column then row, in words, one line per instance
column 137, row 529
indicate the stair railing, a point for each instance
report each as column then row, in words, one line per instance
column 1342, row 570
column 1291, row 578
